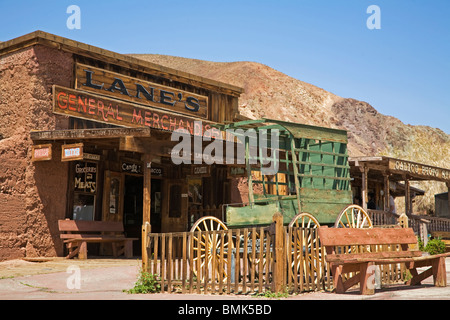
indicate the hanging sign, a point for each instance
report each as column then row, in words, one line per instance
column 41, row 152
column 71, row 152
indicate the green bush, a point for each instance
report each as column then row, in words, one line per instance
column 146, row 283
column 435, row 246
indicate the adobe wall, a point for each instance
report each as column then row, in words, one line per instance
column 32, row 195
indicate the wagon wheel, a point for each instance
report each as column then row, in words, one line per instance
column 207, row 247
column 304, row 246
column 353, row 216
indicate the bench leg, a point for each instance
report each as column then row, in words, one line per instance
column 82, row 252
column 367, row 278
column 337, row 278
column 128, row 249
column 439, row 272
column 73, row 249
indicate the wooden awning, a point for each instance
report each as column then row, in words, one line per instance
column 398, row 169
column 85, row 134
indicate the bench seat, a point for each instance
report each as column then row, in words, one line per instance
column 76, row 234
column 348, row 260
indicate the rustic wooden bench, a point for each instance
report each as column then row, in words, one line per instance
column 444, row 236
column 362, row 263
column 77, row 233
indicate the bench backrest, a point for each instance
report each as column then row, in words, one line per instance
column 373, row 236
column 83, row 226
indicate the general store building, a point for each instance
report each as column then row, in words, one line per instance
column 86, row 135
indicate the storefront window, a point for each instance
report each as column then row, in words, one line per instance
column 85, row 190
column 83, row 207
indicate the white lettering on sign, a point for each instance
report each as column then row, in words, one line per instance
column 41, row 153
column 79, row 169
column 422, row 170
column 72, row 152
column 200, row 170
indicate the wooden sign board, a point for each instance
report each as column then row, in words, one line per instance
column 201, row 170
column 419, row 170
column 235, row 172
column 91, row 156
column 83, row 105
column 42, row 152
column 85, row 177
column 119, row 86
column 71, row 152
column 131, row 167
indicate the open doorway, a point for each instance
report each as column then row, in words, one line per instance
column 132, row 210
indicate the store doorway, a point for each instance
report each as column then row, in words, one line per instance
column 132, row 210
column 156, row 205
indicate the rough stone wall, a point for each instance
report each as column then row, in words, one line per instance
column 32, row 195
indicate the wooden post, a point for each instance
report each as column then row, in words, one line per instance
column 448, row 186
column 279, row 257
column 386, row 192
column 146, row 209
column 407, row 197
column 364, row 191
column 251, row 198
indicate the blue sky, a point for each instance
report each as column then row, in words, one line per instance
column 402, row 69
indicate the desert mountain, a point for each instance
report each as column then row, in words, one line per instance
column 272, row 94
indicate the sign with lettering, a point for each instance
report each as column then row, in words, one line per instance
column 97, row 108
column 234, row 172
column 91, row 156
column 85, row 177
column 140, row 91
column 420, row 170
column 131, row 167
column 41, row 152
column 72, row 152
column 156, row 172
column 200, row 170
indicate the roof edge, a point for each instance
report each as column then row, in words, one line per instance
column 65, row 44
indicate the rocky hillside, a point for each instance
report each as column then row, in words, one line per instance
column 272, row 94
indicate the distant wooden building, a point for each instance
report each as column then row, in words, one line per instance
column 375, row 179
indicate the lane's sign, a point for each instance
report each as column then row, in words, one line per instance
column 116, row 85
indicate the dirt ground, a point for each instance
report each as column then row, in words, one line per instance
column 35, row 266
column 106, row 279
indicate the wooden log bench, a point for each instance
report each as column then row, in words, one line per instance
column 343, row 261
column 444, row 236
column 78, row 233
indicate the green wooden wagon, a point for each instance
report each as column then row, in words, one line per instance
column 310, row 185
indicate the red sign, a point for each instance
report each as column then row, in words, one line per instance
column 41, row 152
column 87, row 106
